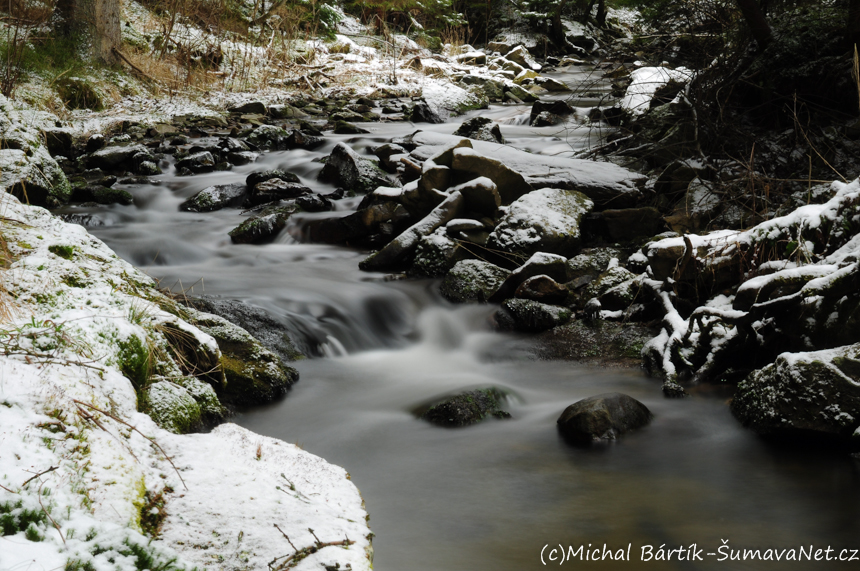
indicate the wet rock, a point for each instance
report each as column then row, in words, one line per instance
column 300, row 139
column 360, row 226
column 551, row 84
column 346, row 116
column 285, row 111
column 253, row 374
column 59, row 141
column 481, row 129
column 197, row 163
column 115, row 157
column 271, row 333
column 491, row 88
column 616, row 288
column 542, row 288
column 546, row 220
column 530, row 316
column 263, row 227
column 347, row 128
column 267, row 137
column 421, row 112
column 148, row 168
column 602, row 417
column 314, row 203
column 473, row 281
column 215, row 198
column 546, row 119
column 276, row 189
column 520, row 94
column 101, row 195
column 558, row 108
column 481, row 196
column 602, row 343
column 467, row 408
column 256, row 178
column 346, row 168
column 812, row 395
column 472, row 58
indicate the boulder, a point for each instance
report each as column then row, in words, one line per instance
column 602, row 417
column 197, row 162
column 421, row 112
column 521, row 56
column 263, row 227
column 520, row 94
column 346, row 168
column 625, row 225
column 530, row 316
column 314, row 203
column 389, row 156
column 115, row 157
column 255, row 178
column 347, row 128
column 359, row 226
column 480, row 195
column 812, row 395
column 215, row 198
column 473, row 281
column 482, row 129
column 301, row 139
column 546, row 220
column 491, row 88
column 467, row 408
column 511, row 184
column 276, row 189
column 472, row 58
column 546, row 119
column 555, row 107
column 551, row 84
column 267, row 137
column 285, row 111
column 435, row 255
column 101, row 195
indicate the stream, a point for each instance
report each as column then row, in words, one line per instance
column 488, row 497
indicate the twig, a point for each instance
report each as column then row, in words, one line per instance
column 152, row 440
column 41, row 505
column 287, row 537
column 51, row 469
column 7, row 489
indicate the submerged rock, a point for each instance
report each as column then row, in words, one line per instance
column 602, row 417
column 263, row 227
column 467, row 408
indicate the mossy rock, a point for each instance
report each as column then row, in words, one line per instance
column 263, row 227
column 467, row 408
column 172, row 407
column 78, row 93
column 473, row 281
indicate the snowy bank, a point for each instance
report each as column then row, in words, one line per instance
column 90, row 482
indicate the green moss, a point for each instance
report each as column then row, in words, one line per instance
column 65, row 252
column 75, row 281
column 135, row 361
column 14, row 518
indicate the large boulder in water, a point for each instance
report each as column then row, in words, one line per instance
column 602, row 417
column 546, row 220
column 814, row 394
column 557, row 108
column 530, row 316
column 264, row 227
column 510, row 183
column 346, row 168
column 467, row 408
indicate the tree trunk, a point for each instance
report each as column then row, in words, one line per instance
column 852, row 30
column 556, row 27
column 96, row 21
column 756, row 20
column 601, row 14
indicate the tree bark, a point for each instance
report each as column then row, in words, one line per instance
column 96, row 21
column 756, row 21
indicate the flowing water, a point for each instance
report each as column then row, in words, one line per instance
column 488, row 497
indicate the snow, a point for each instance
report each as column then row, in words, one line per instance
column 61, row 367
column 645, row 81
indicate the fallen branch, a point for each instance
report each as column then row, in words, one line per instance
column 51, row 469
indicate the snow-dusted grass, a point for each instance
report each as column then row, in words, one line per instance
column 69, row 413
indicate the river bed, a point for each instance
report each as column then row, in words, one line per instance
column 488, row 497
